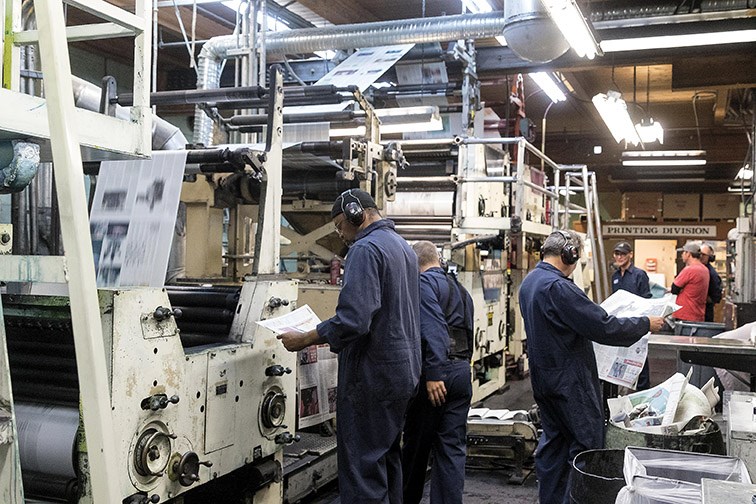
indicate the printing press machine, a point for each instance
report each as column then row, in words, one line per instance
column 198, row 390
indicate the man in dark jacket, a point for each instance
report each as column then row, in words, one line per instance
column 437, row 418
column 634, row 280
column 561, row 323
column 714, row 295
column 376, row 333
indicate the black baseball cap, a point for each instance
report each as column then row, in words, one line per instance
column 352, row 195
column 623, row 247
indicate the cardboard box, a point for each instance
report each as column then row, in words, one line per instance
column 682, row 206
column 641, row 205
column 721, row 206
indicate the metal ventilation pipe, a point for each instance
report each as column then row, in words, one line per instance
column 165, row 136
column 407, row 31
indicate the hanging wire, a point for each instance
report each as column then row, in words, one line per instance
column 192, row 63
column 697, row 96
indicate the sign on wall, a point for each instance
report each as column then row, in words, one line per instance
column 660, row 230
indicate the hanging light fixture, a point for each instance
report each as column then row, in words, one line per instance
column 613, row 110
column 573, row 25
column 546, row 82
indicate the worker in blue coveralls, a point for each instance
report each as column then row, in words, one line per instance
column 634, row 280
column 376, row 333
column 714, row 295
column 561, row 323
column 437, row 417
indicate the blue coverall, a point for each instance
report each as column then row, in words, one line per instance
column 635, row 281
column 714, row 295
column 442, row 429
column 561, row 322
column 376, row 332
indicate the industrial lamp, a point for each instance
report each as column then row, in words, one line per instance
column 613, row 110
column 547, row 84
column 650, row 131
column 664, row 158
column 575, row 28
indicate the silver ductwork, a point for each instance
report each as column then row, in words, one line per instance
column 406, row 31
column 165, row 136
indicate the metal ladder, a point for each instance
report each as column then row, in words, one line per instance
column 571, row 179
column 68, row 130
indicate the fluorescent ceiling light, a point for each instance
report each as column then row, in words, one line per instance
column 663, row 162
column 664, row 153
column 574, row 27
column 671, row 41
column 547, row 84
column 650, row 132
column 613, row 110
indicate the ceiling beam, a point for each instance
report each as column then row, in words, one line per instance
column 340, row 11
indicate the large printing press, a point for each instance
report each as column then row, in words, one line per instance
column 199, row 392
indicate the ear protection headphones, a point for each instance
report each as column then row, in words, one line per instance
column 569, row 253
column 353, row 211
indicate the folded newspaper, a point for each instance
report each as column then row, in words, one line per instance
column 495, row 415
column 622, row 365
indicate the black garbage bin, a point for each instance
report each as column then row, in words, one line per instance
column 597, row 476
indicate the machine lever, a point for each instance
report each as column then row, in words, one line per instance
column 287, row 438
column 275, row 302
column 276, row 370
column 158, row 401
column 163, row 313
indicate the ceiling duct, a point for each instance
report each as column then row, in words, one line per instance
column 530, row 33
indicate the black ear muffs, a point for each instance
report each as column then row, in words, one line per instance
column 353, row 211
column 570, row 253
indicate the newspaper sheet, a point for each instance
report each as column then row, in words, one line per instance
column 317, row 372
column 317, row 368
column 361, row 69
column 649, row 410
column 622, row 365
column 133, row 217
column 302, row 319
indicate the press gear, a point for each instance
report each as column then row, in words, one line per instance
column 460, row 338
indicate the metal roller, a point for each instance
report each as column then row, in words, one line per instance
column 204, row 297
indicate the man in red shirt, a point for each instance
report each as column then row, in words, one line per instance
column 691, row 285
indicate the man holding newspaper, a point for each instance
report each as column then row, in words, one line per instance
column 376, row 332
column 561, row 323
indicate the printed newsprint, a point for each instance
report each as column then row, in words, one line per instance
column 622, row 365
column 317, row 368
column 133, row 217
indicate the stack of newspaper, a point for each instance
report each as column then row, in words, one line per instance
column 496, row 415
column 665, row 409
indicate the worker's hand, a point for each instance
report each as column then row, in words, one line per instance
column 655, row 323
column 296, row 340
column 436, row 392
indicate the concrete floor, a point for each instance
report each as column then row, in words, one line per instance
column 483, row 486
column 491, row 486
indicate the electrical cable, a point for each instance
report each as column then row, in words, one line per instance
column 192, row 64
